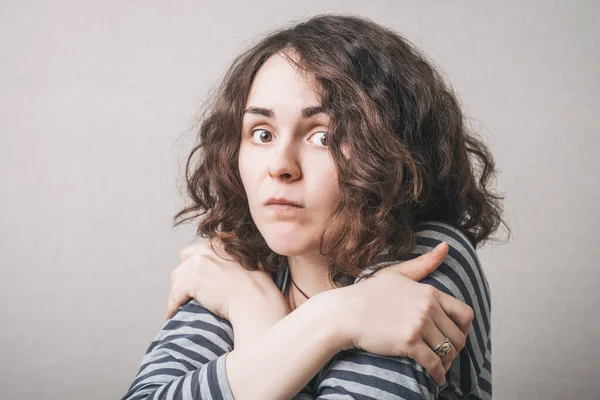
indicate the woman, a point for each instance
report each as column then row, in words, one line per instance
column 333, row 149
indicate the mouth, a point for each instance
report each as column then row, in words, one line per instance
column 282, row 201
column 283, row 206
column 283, row 210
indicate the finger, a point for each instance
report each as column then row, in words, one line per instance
column 446, row 359
column 435, row 333
column 169, row 312
column 189, row 251
column 423, row 355
column 449, row 329
column 459, row 312
column 447, row 362
column 170, row 308
column 177, row 298
column 418, row 268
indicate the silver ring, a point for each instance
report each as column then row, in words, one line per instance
column 444, row 348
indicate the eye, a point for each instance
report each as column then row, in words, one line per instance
column 263, row 135
column 321, row 137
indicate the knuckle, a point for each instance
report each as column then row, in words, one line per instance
column 196, row 259
column 424, row 259
column 430, row 291
column 412, row 353
column 183, row 253
column 433, row 362
column 413, row 337
column 447, row 365
column 173, row 275
column 430, row 306
column 469, row 313
column 421, row 323
column 438, row 364
column 427, row 308
column 194, row 249
column 397, row 349
column 461, row 343
column 438, row 367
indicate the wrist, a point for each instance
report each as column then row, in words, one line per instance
column 268, row 304
column 288, row 354
column 252, row 316
column 334, row 317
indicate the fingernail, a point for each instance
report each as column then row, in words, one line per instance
column 437, row 248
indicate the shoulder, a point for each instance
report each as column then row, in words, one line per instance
column 461, row 275
column 193, row 338
column 461, row 269
column 193, row 314
column 433, row 232
column 193, row 322
column 443, row 231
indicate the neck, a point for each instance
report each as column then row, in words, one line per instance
column 311, row 276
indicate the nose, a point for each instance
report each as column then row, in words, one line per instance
column 283, row 162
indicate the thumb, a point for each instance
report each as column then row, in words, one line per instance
column 418, row 268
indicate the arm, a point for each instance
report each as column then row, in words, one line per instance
column 288, row 354
column 241, row 296
column 186, row 359
column 386, row 315
column 293, row 344
column 353, row 374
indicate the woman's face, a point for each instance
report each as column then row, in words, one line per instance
column 284, row 154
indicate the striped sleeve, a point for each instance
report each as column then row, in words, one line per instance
column 356, row 374
column 186, row 360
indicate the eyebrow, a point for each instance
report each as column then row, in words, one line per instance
column 267, row 112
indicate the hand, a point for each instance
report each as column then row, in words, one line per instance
column 390, row 314
column 214, row 279
column 250, row 300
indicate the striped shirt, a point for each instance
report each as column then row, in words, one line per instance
column 186, row 360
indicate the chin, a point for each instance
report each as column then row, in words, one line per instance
column 286, row 242
column 286, row 247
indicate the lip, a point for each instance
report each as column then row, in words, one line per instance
column 282, row 201
column 282, row 210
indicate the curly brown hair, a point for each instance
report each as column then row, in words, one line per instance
column 412, row 159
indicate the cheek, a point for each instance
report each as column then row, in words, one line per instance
column 333, row 191
column 327, row 190
column 245, row 170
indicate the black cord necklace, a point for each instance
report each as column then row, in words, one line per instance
column 294, row 283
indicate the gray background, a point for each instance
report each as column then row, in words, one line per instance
column 97, row 109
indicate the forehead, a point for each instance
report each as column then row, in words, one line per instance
column 279, row 83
